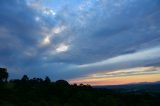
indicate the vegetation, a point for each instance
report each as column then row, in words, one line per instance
column 44, row 92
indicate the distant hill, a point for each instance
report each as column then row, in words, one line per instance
column 143, row 87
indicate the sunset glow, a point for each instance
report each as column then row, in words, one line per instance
column 97, row 42
column 117, row 77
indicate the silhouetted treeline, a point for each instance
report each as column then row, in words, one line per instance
column 44, row 92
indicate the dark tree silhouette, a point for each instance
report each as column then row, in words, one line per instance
column 47, row 80
column 44, row 92
column 25, row 78
column 3, row 75
column 62, row 83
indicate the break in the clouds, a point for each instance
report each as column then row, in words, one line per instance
column 77, row 38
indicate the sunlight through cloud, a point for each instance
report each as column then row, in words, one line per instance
column 58, row 30
column 49, row 11
column 62, row 48
column 46, row 40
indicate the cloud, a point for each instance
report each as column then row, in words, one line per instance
column 127, row 72
column 46, row 40
column 139, row 56
column 62, row 48
column 109, row 33
column 133, row 75
column 73, row 39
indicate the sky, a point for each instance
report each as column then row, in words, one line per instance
column 97, row 42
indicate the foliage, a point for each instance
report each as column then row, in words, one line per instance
column 3, row 75
column 44, row 92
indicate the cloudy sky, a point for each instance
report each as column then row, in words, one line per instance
column 99, row 42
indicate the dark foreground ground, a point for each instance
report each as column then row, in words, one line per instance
column 43, row 92
column 39, row 92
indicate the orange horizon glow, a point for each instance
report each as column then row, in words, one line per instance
column 118, row 80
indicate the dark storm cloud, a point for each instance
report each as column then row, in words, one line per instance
column 19, row 34
column 95, row 32
column 109, row 31
column 14, row 23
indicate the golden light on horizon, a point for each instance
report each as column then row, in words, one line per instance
column 117, row 78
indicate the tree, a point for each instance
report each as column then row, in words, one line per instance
column 3, row 75
column 25, row 78
column 62, row 83
column 47, row 80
